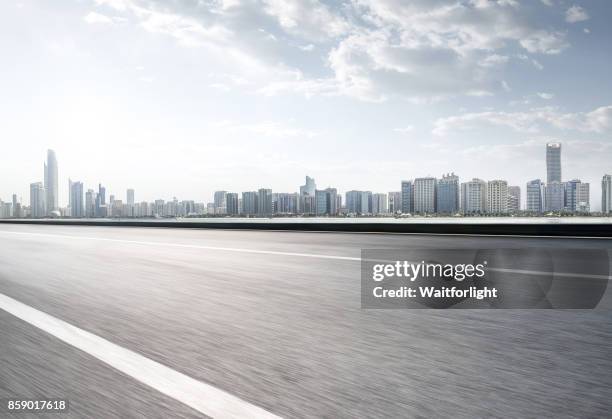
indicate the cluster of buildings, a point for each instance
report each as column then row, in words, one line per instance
column 421, row 196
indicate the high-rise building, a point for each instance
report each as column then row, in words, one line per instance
column 553, row 162
column 326, row 201
column 76, row 200
column 90, row 203
column 308, row 188
column 534, row 201
column 583, row 199
column 51, row 183
column 321, row 202
column 425, row 195
column 448, row 194
column 379, row 204
column 16, row 207
column 514, row 199
column 353, row 202
column 407, row 206
column 359, row 202
column 249, row 203
column 577, row 197
column 231, row 203
column 288, row 203
column 395, row 202
column 554, row 196
column 37, row 200
column 101, row 210
column 264, row 200
column 474, row 196
column 219, row 201
column 606, row 194
column 497, row 197
column 130, row 197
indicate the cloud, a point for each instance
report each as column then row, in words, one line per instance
column 576, row 14
column 405, row 130
column 373, row 50
column 310, row 19
column 545, row 96
column 534, row 121
column 93, row 17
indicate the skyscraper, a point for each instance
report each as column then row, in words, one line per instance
column 90, row 203
column 395, row 202
column 514, row 199
column 264, row 200
column 76, row 200
column 379, row 204
column 553, row 162
column 425, row 195
column 534, row 200
column 37, row 200
column 606, row 194
column 326, row 201
column 231, row 203
column 249, row 203
column 448, row 194
column 287, row 203
column 309, row 187
column 101, row 209
column 219, row 201
column 583, row 198
column 554, row 196
column 51, row 185
column 497, row 197
column 407, row 205
column 577, row 197
column 474, row 196
column 130, row 197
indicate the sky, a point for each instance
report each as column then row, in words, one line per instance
column 179, row 98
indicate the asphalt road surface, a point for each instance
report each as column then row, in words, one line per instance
column 273, row 319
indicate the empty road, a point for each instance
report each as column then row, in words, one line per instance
column 156, row 322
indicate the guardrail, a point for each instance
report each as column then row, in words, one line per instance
column 501, row 229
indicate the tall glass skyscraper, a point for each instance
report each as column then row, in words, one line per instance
column 553, row 162
column 606, row 194
column 51, row 186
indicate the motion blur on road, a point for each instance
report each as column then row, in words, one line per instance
column 271, row 319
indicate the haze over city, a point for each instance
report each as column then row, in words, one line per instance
column 185, row 98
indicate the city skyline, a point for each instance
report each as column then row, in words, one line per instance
column 181, row 98
column 420, row 195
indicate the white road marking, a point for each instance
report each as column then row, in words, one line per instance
column 189, row 246
column 200, row 396
column 273, row 252
column 545, row 273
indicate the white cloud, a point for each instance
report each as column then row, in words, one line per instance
column 576, row 14
column 545, row 96
column 93, row 17
column 547, row 2
column 423, row 50
column 536, row 120
column 544, row 42
column 310, row 19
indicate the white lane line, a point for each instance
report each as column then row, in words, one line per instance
column 189, row 246
column 545, row 273
column 198, row 395
column 273, row 252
